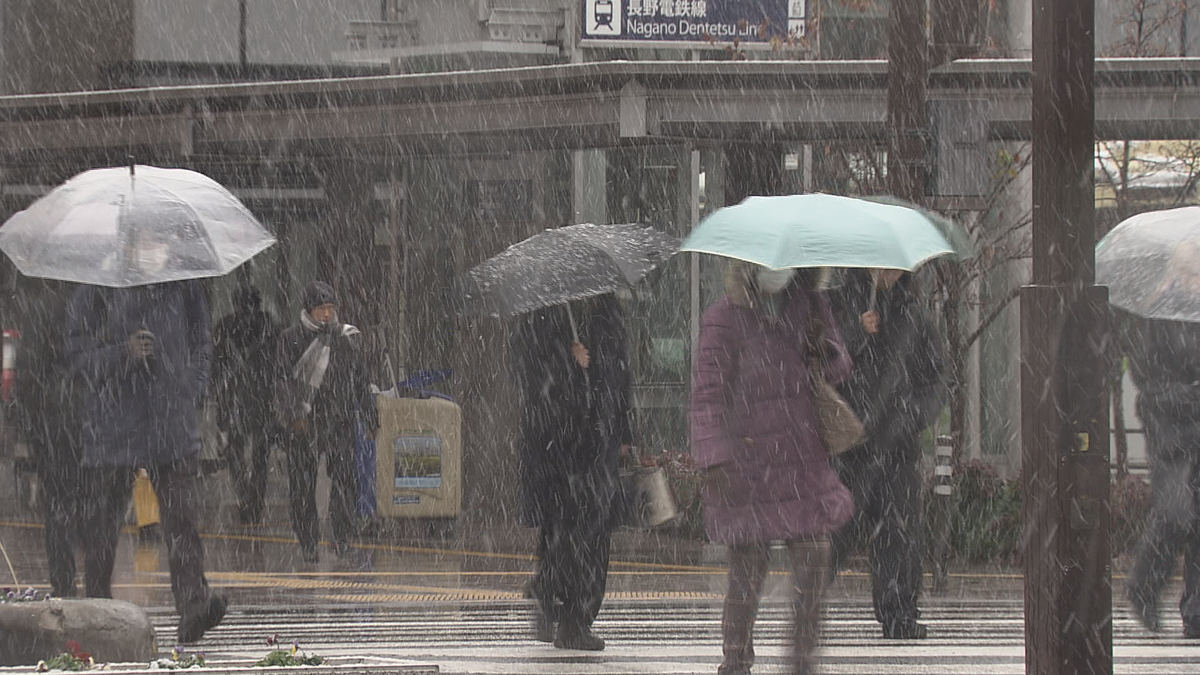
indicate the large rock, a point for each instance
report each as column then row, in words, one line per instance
column 111, row 631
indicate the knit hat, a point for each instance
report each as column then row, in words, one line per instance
column 317, row 293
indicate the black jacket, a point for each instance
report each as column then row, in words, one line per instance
column 243, row 372
column 140, row 413
column 570, row 440
column 1165, row 363
column 48, row 401
column 346, row 389
column 898, row 383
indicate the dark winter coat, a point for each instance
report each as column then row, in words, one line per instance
column 898, row 385
column 48, row 405
column 753, row 422
column 1165, row 363
column 140, row 413
column 244, row 371
column 345, row 392
column 569, row 442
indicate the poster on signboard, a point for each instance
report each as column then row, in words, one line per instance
column 691, row 23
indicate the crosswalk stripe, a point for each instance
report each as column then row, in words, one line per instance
column 494, row 638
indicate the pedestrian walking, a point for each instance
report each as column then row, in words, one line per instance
column 243, row 374
column 323, row 389
column 767, row 475
column 574, row 373
column 48, row 409
column 898, row 388
column 143, row 353
column 1165, row 360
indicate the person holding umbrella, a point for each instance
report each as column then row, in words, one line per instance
column 137, row 343
column 575, row 424
column 897, row 388
column 573, row 372
column 143, row 353
column 1151, row 265
column 754, row 429
column 323, row 389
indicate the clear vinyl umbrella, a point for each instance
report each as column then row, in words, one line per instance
column 1151, row 264
column 84, row 230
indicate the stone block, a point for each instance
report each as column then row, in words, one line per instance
column 112, row 631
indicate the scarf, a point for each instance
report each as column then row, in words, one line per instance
column 309, row 370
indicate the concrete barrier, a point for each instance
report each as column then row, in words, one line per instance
column 111, row 631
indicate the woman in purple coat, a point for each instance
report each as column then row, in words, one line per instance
column 754, row 432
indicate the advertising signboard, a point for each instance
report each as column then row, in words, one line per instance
column 691, row 23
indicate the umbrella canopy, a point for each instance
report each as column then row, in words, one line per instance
column 1151, row 264
column 820, row 230
column 88, row 229
column 564, row 264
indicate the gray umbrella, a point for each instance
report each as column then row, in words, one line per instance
column 564, row 264
column 1151, row 264
column 88, row 229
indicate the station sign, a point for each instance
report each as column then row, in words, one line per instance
column 691, row 23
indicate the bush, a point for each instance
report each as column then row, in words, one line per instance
column 986, row 519
column 985, row 514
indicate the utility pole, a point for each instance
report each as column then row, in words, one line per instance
column 1064, row 330
column 907, row 109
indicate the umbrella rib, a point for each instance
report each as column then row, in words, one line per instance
column 200, row 231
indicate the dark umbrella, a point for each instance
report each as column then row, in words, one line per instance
column 564, row 264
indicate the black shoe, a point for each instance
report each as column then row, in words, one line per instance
column 309, row 553
column 907, row 629
column 192, row 626
column 543, row 625
column 1191, row 630
column 1145, row 610
column 582, row 639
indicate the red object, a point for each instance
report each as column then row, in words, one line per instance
column 8, row 378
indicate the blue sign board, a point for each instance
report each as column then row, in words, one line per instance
column 699, row 22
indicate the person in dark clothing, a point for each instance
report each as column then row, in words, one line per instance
column 143, row 354
column 243, row 375
column 574, row 374
column 323, row 388
column 1165, row 360
column 898, row 388
column 48, row 410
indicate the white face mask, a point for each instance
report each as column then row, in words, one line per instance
column 773, row 281
column 152, row 259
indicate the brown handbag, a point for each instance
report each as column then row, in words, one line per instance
column 837, row 423
column 839, row 427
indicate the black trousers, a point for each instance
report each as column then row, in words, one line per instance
column 304, row 454
column 572, row 569
column 107, row 491
column 885, row 479
column 247, row 456
column 59, row 476
column 1174, row 523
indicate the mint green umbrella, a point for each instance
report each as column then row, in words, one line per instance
column 820, row 230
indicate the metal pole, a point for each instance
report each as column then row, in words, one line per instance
column 1064, row 410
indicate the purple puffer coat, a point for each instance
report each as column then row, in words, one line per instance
column 753, row 422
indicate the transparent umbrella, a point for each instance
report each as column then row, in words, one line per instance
column 1151, row 264
column 87, row 230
